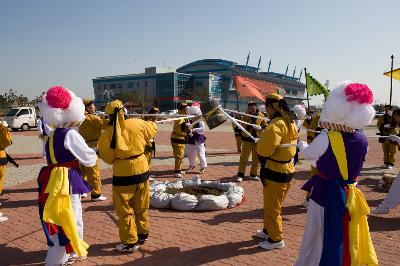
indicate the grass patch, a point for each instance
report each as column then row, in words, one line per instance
column 196, row 191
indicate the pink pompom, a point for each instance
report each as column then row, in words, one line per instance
column 357, row 92
column 58, row 97
column 196, row 104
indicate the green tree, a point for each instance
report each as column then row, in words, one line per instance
column 22, row 100
column 3, row 102
column 11, row 98
column 36, row 100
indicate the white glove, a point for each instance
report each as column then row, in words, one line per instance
column 257, row 127
column 302, row 145
column 386, row 126
column 325, row 130
column 394, row 139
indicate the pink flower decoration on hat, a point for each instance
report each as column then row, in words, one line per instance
column 196, row 104
column 357, row 92
column 58, row 97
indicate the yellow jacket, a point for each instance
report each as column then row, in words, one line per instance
column 311, row 124
column 5, row 141
column 131, row 162
column 386, row 119
column 90, row 129
column 277, row 162
column 149, row 145
column 250, row 129
column 178, row 133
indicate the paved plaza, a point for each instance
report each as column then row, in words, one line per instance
column 181, row 238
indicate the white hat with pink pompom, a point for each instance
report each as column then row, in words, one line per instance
column 60, row 107
column 348, row 107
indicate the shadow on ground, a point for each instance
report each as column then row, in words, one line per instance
column 372, row 183
column 20, row 257
column 28, row 158
column 381, row 223
column 98, row 208
column 22, row 190
column 19, row 204
column 194, row 257
column 302, row 175
column 235, row 217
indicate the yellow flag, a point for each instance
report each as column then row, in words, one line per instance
column 395, row 73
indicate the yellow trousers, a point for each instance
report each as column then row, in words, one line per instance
column 389, row 150
column 247, row 148
column 238, row 139
column 92, row 176
column 2, row 176
column 131, row 205
column 274, row 194
column 179, row 153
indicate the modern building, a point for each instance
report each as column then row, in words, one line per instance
column 294, row 90
column 156, row 86
column 199, row 80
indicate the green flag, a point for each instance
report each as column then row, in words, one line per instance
column 314, row 87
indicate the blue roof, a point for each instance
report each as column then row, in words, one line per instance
column 225, row 63
column 279, row 75
column 246, row 68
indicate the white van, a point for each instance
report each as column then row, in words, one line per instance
column 23, row 118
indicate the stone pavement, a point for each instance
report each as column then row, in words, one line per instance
column 180, row 238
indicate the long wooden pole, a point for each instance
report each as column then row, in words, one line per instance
column 246, row 114
column 391, row 81
column 230, row 118
column 308, row 100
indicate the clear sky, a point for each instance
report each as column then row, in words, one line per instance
column 44, row 43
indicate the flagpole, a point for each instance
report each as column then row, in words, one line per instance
column 391, row 81
column 308, row 100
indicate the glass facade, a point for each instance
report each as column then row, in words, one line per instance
column 216, row 86
column 165, row 91
column 169, row 89
column 182, row 82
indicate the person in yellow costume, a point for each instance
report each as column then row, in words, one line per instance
column 150, row 148
column 90, row 130
column 248, row 144
column 311, row 123
column 178, row 139
column 277, row 168
column 5, row 141
column 392, row 199
column 238, row 134
column 387, row 128
column 122, row 144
